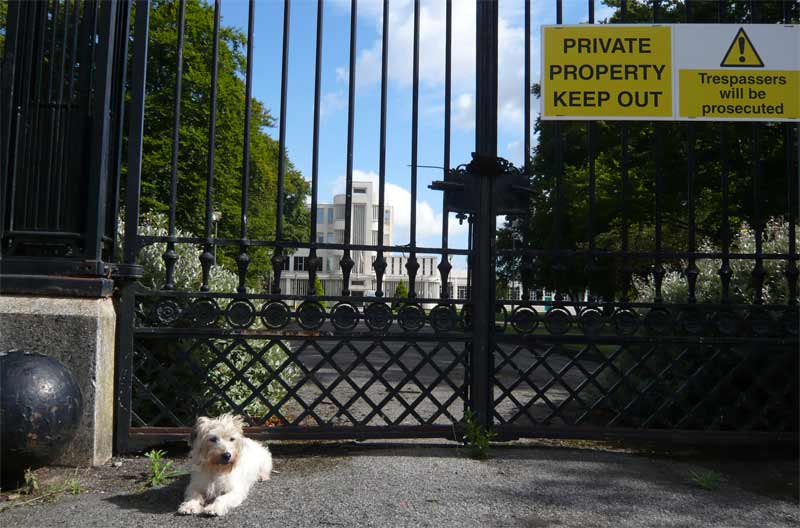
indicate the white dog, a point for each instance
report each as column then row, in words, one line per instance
column 225, row 465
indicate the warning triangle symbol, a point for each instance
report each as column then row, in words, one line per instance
column 741, row 53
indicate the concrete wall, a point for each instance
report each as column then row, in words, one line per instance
column 80, row 333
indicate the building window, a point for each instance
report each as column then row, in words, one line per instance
column 463, row 292
column 330, row 215
column 387, row 215
column 320, row 237
column 338, row 212
column 285, row 266
column 300, row 263
column 320, row 215
column 340, row 236
column 359, row 190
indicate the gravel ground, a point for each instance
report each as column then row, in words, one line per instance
column 435, row 485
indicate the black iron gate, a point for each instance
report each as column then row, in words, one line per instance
column 529, row 353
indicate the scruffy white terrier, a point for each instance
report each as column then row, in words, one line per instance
column 225, row 465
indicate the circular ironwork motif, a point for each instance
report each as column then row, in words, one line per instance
column 557, row 321
column 726, row 323
column 626, row 322
column 443, row 318
column 310, row 315
column 524, row 319
column 275, row 315
column 167, row 312
column 378, row 316
column 344, row 316
column 692, row 321
column 789, row 321
column 590, row 320
column 240, row 313
column 760, row 321
column 658, row 321
column 205, row 312
column 411, row 317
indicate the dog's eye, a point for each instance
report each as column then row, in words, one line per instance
column 212, row 438
column 233, row 439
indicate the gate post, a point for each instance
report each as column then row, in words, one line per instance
column 483, row 245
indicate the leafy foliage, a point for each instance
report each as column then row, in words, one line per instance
column 193, row 139
column 159, row 471
column 560, row 203
column 477, row 437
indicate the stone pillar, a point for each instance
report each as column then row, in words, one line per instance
column 80, row 333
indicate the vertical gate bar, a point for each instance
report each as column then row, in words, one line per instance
column 7, row 95
column 46, row 146
column 55, row 167
column 380, row 262
column 527, row 267
column 658, row 141
column 691, row 174
column 207, row 257
column 483, row 300
column 758, row 272
column 138, row 89
column 123, row 363
column 444, row 265
column 346, row 262
column 277, row 257
column 526, row 161
column 32, row 175
column 99, row 164
column 63, row 152
column 625, row 262
column 314, row 262
column 411, row 264
column 558, row 267
column 170, row 257
column 591, row 154
column 725, row 271
column 119, row 121
column 243, row 259
column 792, row 174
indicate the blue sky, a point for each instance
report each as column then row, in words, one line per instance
column 333, row 131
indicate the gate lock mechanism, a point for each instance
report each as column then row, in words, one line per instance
column 461, row 186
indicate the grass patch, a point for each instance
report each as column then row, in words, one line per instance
column 159, row 470
column 33, row 491
column 477, row 437
column 707, row 479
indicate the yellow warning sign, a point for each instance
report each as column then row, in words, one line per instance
column 749, row 94
column 741, row 53
column 617, row 72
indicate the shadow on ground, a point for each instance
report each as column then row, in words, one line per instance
column 165, row 499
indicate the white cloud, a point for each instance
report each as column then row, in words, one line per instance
column 511, row 57
column 429, row 221
column 330, row 103
column 342, row 74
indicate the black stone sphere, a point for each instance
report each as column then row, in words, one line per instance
column 40, row 409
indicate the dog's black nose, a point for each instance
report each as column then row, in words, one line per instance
column 226, row 457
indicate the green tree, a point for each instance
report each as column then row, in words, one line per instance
column 401, row 290
column 229, row 142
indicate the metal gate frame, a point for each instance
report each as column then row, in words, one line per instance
column 170, row 314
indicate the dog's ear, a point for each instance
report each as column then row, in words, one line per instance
column 201, row 421
column 238, row 421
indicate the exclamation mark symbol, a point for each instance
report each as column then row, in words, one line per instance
column 741, row 49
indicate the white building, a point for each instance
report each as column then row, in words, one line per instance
column 365, row 215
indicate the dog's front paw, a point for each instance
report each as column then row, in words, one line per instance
column 215, row 509
column 190, row 508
